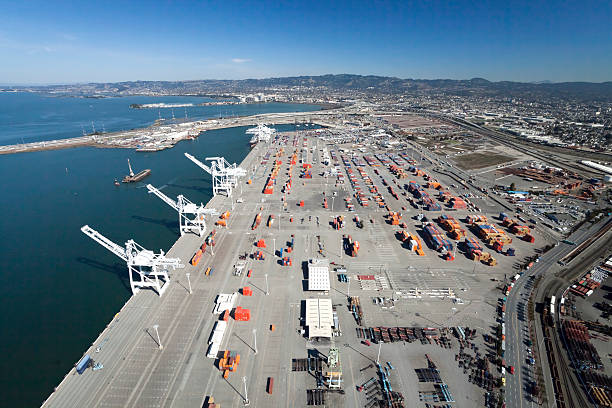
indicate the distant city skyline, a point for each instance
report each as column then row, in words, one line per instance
column 64, row 42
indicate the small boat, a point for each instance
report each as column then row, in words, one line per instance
column 116, row 182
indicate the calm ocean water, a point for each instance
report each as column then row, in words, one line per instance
column 58, row 288
column 28, row 117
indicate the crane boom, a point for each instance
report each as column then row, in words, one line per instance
column 199, row 163
column 105, row 242
column 225, row 176
column 146, row 269
column 191, row 216
column 164, row 197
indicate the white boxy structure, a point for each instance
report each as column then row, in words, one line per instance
column 319, row 318
column 318, row 275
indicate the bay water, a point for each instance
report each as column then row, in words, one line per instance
column 58, row 288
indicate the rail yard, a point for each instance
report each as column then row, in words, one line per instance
column 329, row 269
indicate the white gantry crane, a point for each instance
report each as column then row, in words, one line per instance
column 146, row 268
column 192, row 217
column 225, row 176
column 261, row 133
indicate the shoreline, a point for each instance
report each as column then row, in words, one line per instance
column 160, row 138
column 148, row 296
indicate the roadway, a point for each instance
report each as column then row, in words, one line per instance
column 531, row 149
column 519, row 326
column 136, row 373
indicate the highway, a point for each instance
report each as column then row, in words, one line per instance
column 137, row 373
column 519, row 326
column 569, row 162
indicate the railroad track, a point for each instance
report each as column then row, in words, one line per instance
column 573, row 392
column 568, row 390
column 534, row 152
column 587, row 243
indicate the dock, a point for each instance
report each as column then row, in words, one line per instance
column 312, row 219
column 163, row 135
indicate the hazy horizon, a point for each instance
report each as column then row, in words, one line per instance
column 544, row 81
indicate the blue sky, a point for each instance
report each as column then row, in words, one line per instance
column 65, row 42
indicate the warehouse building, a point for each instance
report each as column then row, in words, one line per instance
column 319, row 318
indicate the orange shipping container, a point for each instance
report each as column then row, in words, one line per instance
column 196, row 258
column 270, row 387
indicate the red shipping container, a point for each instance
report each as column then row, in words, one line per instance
column 270, row 386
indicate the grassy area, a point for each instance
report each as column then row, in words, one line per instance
column 479, row 160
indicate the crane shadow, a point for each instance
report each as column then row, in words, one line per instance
column 204, row 190
column 171, row 225
column 117, row 269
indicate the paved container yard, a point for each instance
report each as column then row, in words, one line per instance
column 405, row 290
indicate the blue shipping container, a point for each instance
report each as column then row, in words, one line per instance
column 83, row 364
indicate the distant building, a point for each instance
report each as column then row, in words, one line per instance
column 318, row 274
column 319, row 318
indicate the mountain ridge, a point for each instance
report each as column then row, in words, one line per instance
column 366, row 83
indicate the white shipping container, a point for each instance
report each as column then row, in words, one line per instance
column 213, row 350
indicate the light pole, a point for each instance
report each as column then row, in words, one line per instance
column 156, row 326
column 189, row 282
column 332, row 208
column 378, row 357
column 267, row 288
column 255, row 340
column 246, row 396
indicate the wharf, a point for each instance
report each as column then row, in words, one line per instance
column 133, row 139
column 137, row 373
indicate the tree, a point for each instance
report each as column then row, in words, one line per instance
column 512, row 186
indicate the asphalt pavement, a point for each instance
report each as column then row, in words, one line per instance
column 518, row 325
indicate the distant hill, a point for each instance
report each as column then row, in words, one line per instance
column 582, row 90
column 368, row 83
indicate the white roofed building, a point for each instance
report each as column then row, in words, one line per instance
column 319, row 318
column 318, row 275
